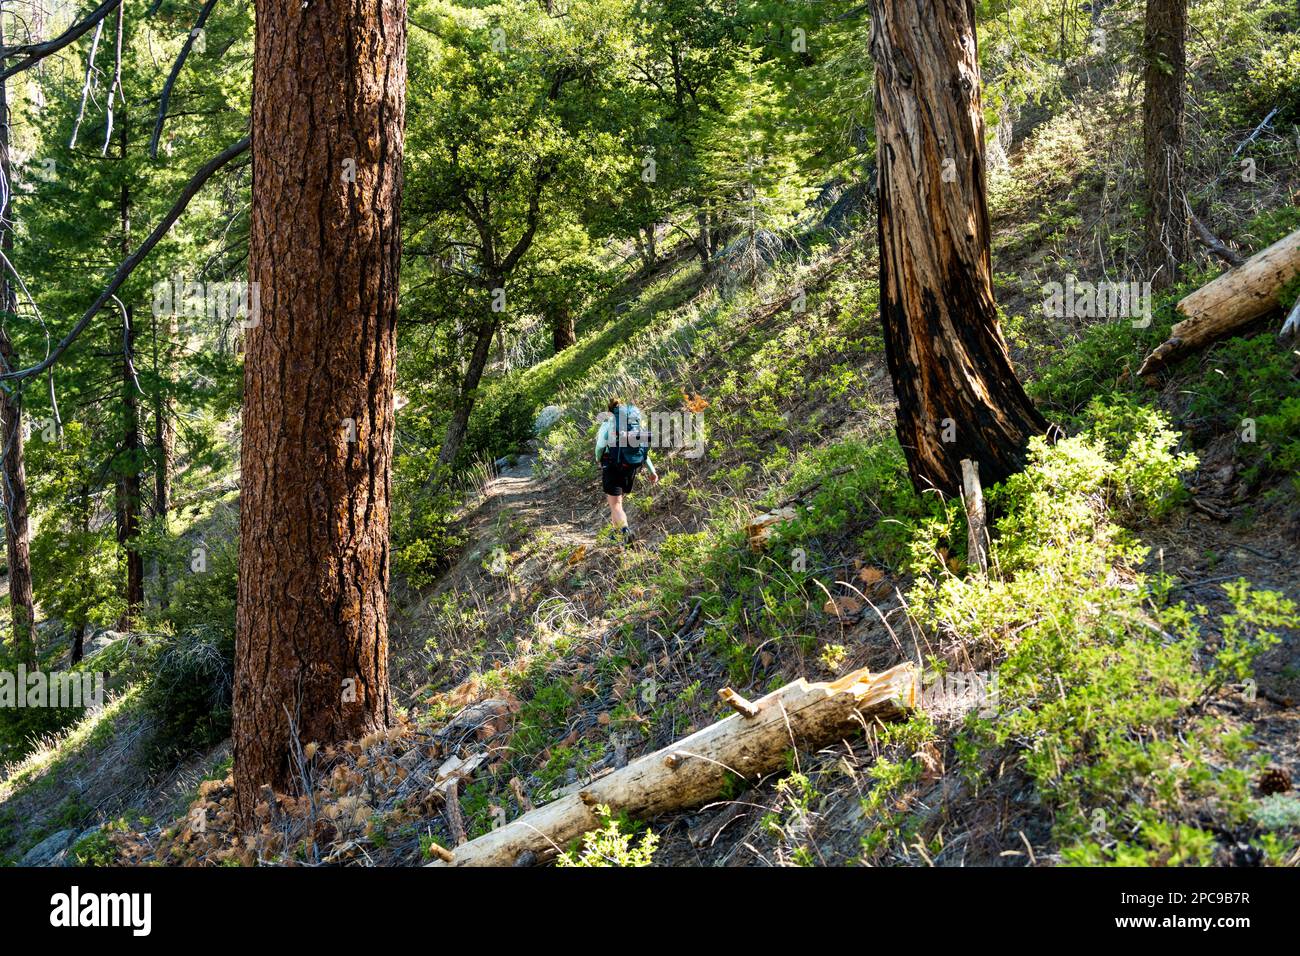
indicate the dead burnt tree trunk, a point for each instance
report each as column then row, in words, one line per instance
column 1167, row 225
column 311, row 654
column 128, row 480
column 958, row 395
column 1230, row 302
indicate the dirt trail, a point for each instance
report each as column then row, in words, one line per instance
column 545, row 504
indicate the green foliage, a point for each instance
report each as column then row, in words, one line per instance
column 95, row 850
column 425, row 524
column 189, row 691
column 611, row 845
column 22, row 727
column 1100, row 686
column 74, row 557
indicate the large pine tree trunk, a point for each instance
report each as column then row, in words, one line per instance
column 1168, row 228
column 958, row 395
column 312, row 622
column 13, row 473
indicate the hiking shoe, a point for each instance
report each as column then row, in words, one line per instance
column 628, row 535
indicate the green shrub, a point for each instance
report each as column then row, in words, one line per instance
column 189, row 691
column 1100, row 684
column 611, row 845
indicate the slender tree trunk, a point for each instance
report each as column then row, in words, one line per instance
column 459, row 424
column 163, row 441
column 563, row 332
column 311, row 645
column 80, row 627
column 13, row 481
column 78, row 652
column 1168, row 228
column 958, row 396
column 128, row 485
column 644, row 238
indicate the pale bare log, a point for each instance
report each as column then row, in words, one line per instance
column 697, row 769
column 1230, row 302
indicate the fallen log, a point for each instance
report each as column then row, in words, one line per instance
column 698, row 768
column 1234, row 299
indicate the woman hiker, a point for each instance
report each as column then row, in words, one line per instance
column 622, row 447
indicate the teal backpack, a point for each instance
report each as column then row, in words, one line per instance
column 631, row 442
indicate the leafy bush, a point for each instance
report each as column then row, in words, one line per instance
column 425, row 529
column 611, row 845
column 189, row 691
column 502, row 420
column 1100, row 683
column 22, row 727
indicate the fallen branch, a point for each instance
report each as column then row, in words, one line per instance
column 707, row 832
column 1233, row 300
column 1215, row 244
column 1258, row 129
column 699, row 768
column 455, row 819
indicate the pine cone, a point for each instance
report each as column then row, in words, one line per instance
column 1274, row 780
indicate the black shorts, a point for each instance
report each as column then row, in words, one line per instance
column 617, row 479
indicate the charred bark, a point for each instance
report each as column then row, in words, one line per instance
column 958, row 395
column 312, row 617
column 128, row 483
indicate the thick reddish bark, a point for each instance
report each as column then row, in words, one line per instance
column 1168, row 226
column 958, row 395
column 312, row 621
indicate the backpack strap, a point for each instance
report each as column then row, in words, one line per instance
column 618, row 435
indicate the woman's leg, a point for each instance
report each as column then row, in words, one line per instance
column 617, row 517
